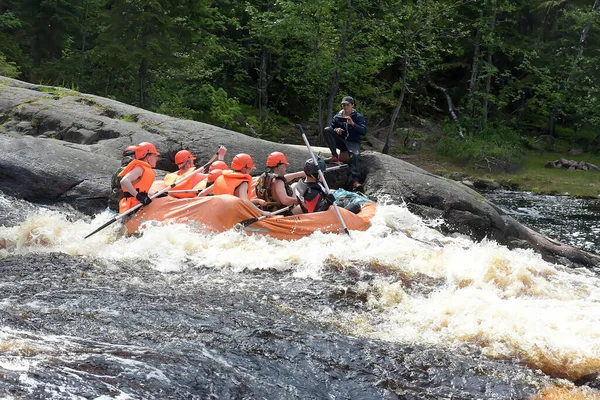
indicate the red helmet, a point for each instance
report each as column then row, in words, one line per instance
column 242, row 160
column 275, row 159
column 145, row 148
column 218, row 165
column 129, row 151
column 182, row 156
column 213, row 175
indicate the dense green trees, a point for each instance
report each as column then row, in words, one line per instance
column 494, row 69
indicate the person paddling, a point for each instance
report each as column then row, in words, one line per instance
column 116, row 194
column 138, row 176
column 312, row 193
column 272, row 186
column 185, row 161
column 214, row 171
column 237, row 181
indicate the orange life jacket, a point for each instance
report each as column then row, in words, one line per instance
column 188, row 184
column 142, row 185
column 202, row 184
column 230, row 180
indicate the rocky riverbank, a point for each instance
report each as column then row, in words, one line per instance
column 62, row 146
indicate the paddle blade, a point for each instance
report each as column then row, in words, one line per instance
column 249, row 221
column 102, row 227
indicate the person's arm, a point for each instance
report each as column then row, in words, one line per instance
column 129, row 178
column 336, row 125
column 242, row 192
column 294, row 175
column 278, row 192
column 127, row 184
column 359, row 125
column 221, row 153
column 333, row 123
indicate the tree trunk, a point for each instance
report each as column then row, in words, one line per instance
column 488, row 86
column 550, row 128
column 85, row 23
column 475, row 68
column 143, row 79
column 386, row 146
column 263, row 93
column 582, row 38
column 321, row 127
column 339, row 60
column 488, row 80
column 451, row 108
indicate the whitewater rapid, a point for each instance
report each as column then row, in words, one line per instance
column 426, row 288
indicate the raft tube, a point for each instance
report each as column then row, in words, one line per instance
column 224, row 212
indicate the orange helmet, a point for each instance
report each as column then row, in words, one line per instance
column 218, row 165
column 182, row 156
column 213, row 175
column 145, row 148
column 129, row 151
column 242, row 160
column 275, row 159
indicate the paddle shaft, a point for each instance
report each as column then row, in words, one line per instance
column 185, row 191
column 268, row 203
column 322, row 176
column 137, row 206
column 250, row 221
column 336, row 167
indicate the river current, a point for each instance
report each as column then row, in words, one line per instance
column 568, row 219
column 396, row 312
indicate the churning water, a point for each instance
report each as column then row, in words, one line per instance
column 398, row 311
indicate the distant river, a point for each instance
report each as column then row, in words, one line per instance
column 567, row 219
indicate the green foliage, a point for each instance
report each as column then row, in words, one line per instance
column 9, row 69
column 130, row 118
column 59, row 92
column 204, row 103
column 268, row 62
column 494, row 143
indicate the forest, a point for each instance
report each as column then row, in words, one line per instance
column 500, row 76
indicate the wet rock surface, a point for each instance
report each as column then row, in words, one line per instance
column 77, row 169
column 92, row 328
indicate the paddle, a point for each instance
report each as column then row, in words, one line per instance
column 334, row 168
column 185, row 191
column 250, row 221
column 136, row 207
column 314, row 158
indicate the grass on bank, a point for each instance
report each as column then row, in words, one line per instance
column 532, row 176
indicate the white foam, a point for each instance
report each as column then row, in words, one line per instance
column 511, row 303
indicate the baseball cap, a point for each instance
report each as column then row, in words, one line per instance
column 347, row 100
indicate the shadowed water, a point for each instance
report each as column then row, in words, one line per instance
column 567, row 219
column 397, row 312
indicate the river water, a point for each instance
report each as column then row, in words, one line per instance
column 397, row 312
column 567, row 219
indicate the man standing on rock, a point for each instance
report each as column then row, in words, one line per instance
column 345, row 131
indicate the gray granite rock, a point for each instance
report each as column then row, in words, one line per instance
column 59, row 145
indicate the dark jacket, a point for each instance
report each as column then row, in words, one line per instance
column 314, row 196
column 353, row 133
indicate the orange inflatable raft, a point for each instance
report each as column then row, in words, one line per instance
column 223, row 212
